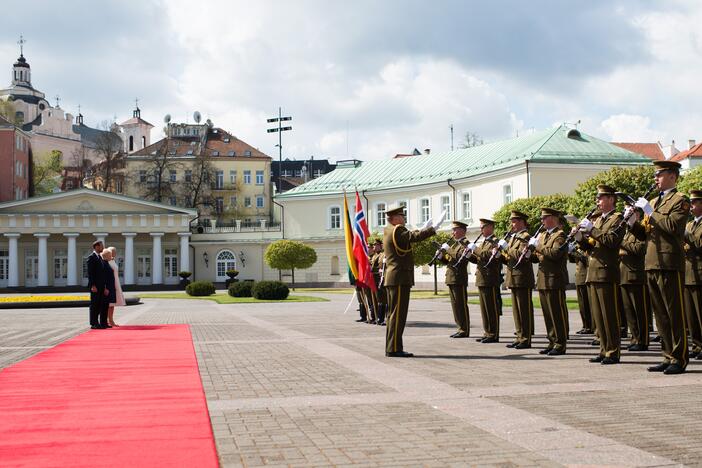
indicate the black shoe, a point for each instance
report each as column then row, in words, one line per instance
column 659, row 368
column 699, row 357
column 597, row 358
column 674, row 369
column 382, row 324
column 522, row 346
column 95, row 327
column 462, row 335
column 637, row 347
column 512, row 345
column 556, row 352
column 623, row 333
column 657, row 339
column 694, row 354
column 595, row 343
column 489, row 340
column 545, row 351
column 361, row 320
column 480, row 339
column 610, row 360
column 584, row 331
column 399, row 354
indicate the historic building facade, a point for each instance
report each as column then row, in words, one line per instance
column 15, row 151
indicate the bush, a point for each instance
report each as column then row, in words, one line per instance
column 200, row 288
column 232, row 273
column 242, row 289
column 270, row 290
column 184, row 274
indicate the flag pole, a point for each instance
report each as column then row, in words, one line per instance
column 353, row 296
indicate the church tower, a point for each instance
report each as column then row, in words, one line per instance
column 136, row 132
column 21, row 73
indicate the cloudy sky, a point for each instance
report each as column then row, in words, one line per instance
column 369, row 79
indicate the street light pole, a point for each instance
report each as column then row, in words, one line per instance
column 280, row 129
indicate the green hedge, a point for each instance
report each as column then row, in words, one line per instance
column 200, row 288
column 241, row 289
column 274, row 290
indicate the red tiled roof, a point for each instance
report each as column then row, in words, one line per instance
column 695, row 151
column 650, row 150
column 136, row 120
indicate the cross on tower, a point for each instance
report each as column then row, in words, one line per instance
column 58, row 101
column 78, row 109
column 136, row 103
column 21, row 43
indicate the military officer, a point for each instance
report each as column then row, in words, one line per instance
column 632, row 278
column 551, row 280
column 520, row 280
column 579, row 258
column 457, row 279
column 369, row 294
column 602, row 240
column 663, row 226
column 399, row 274
column 693, row 273
column 377, row 264
column 487, row 279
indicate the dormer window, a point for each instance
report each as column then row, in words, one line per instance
column 231, row 153
column 192, row 143
column 226, row 139
column 215, row 153
column 247, row 153
column 173, row 152
column 190, row 152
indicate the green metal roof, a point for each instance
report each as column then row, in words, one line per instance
column 559, row 145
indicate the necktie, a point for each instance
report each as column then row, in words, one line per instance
column 660, row 197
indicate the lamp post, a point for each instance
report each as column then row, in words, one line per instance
column 279, row 129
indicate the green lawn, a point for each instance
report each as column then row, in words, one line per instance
column 224, row 298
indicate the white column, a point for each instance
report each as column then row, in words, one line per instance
column 156, row 259
column 72, row 259
column 184, row 251
column 101, row 237
column 13, row 279
column 43, row 279
column 129, row 257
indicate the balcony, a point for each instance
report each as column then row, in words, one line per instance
column 238, row 225
column 229, row 187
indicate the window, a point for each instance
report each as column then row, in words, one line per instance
column 318, row 173
column 69, row 184
column 215, row 153
column 190, row 152
column 60, row 266
column 287, row 173
column 226, row 140
column 334, row 217
column 131, row 143
column 298, row 172
column 219, row 181
column 259, row 177
column 467, row 206
column 231, row 153
column 4, row 266
column 188, row 175
column 142, row 175
column 247, row 153
column 232, row 202
column 226, row 260
column 507, row 194
column 143, row 142
column 170, row 263
column 232, row 177
column 259, row 201
column 247, row 202
column 118, row 185
column 380, row 214
column 446, row 205
column 335, row 265
column 172, row 152
column 247, row 177
column 219, row 205
column 172, row 201
column 172, row 175
column 424, row 210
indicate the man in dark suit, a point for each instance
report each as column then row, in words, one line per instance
column 98, row 290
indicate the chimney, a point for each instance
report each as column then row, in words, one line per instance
column 427, row 151
column 691, row 143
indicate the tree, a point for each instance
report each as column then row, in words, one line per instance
column 471, row 139
column 46, row 173
column 532, row 208
column 197, row 191
column 158, row 186
column 108, row 146
column 423, row 251
column 692, row 180
column 80, row 163
column 288, row 255
column 634, row 181
column 7, row 110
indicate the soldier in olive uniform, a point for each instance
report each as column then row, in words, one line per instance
column 693, row 273
column 635, row 301
column 579, row 258
column 487, row 279
column 369, row 294
column 601, row 239
column 520, row 280
column 664, row 229
column 399, row 275
column 457, row 279
column 379, row 296
column 552, row 279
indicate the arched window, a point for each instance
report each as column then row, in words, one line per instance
column 131, row 143
column 226, row 260
column 143, row 142
column 335, row 265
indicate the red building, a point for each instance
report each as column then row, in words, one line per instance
column 15, row 151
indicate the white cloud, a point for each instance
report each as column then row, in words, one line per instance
column 630, row 128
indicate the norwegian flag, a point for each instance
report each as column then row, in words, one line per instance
column 360, row 247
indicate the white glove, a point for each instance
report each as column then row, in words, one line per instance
column 472, row 246
column 429, row 223
column 444, row 246
column 502, row 243
column 644, row 205
column 578, row 236
column 534, row 242
column 571, row 247
column 632, row 217
column 586, row 225
column 441, row 220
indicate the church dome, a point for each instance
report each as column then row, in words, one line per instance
column 21, row 62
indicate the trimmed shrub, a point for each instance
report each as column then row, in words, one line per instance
column 274, row 290
column 200, row 288
column 241, row 289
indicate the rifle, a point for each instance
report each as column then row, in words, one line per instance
column 438, row 252
column 382, row 274
column 497, row 249
column 571, row 234
column 528, row 248
column 464, row 254
column 629, row 200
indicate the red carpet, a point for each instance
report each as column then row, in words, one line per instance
column 125, row 397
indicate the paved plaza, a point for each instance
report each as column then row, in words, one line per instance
column 302, row 384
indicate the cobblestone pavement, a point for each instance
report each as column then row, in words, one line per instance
column 305, row 385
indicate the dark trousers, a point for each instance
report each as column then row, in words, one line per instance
column 604, row 304
column 666, row 293
column 693, row 309
column 555, row 313
column 369, row 300
column 523, row 311
column 398, row 305
column 490, row 311
column 584, row 306
column 635, row 303
column 361, row 303
column 459, row 305
column 96, row 306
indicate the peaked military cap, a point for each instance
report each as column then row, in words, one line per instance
column 398, row 210
column 695, row 195
column 603, row 189
column 546, row 211
column 518, row 215
column 458, row 224
column 666, row 165
column 378, row 242
column 486, row 221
